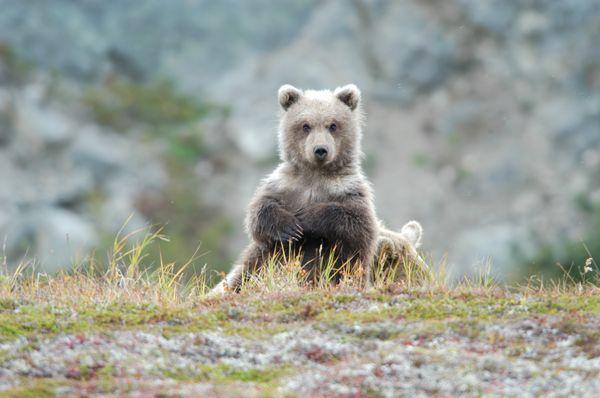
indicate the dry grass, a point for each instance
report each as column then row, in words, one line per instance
column 123, row 278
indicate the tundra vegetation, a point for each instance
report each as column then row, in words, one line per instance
column 126, row 327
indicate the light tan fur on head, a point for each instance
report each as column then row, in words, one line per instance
column 324, row 120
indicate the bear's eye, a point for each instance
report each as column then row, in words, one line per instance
column 306, row 128
column 332, row 128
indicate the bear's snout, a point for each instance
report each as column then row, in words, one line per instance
column 320, row 152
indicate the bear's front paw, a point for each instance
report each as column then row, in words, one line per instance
column 288, row 229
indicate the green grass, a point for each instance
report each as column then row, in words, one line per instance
column 35, row 388
column 15, row 67
column 257, row 316
column 224, row 373
column 122, row 104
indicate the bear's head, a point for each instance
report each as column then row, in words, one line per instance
column 320, row 129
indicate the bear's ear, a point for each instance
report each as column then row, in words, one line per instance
column 349, row 95
column 288, row 95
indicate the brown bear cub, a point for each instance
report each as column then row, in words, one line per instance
column 317, row 202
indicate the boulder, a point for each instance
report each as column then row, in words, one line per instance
column 55, row 238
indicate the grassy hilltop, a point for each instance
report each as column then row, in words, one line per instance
column 117, row 330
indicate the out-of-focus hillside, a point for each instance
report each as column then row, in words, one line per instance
column 483, row 119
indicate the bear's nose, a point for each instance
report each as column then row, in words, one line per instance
column 321, row 152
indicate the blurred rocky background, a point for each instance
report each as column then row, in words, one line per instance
column 483, row 121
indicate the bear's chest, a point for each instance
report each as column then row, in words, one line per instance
column 304, row 193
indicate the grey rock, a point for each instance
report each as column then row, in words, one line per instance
column 44, row 126
column 103, row 37
column 101, row 152
column 495, row 16
column 55, row 238
column 414, row 55
column 580, row 129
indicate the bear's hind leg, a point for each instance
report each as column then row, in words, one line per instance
column 253, row 257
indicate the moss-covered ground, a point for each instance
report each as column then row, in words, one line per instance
column 120, row 330
column 34, row 334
